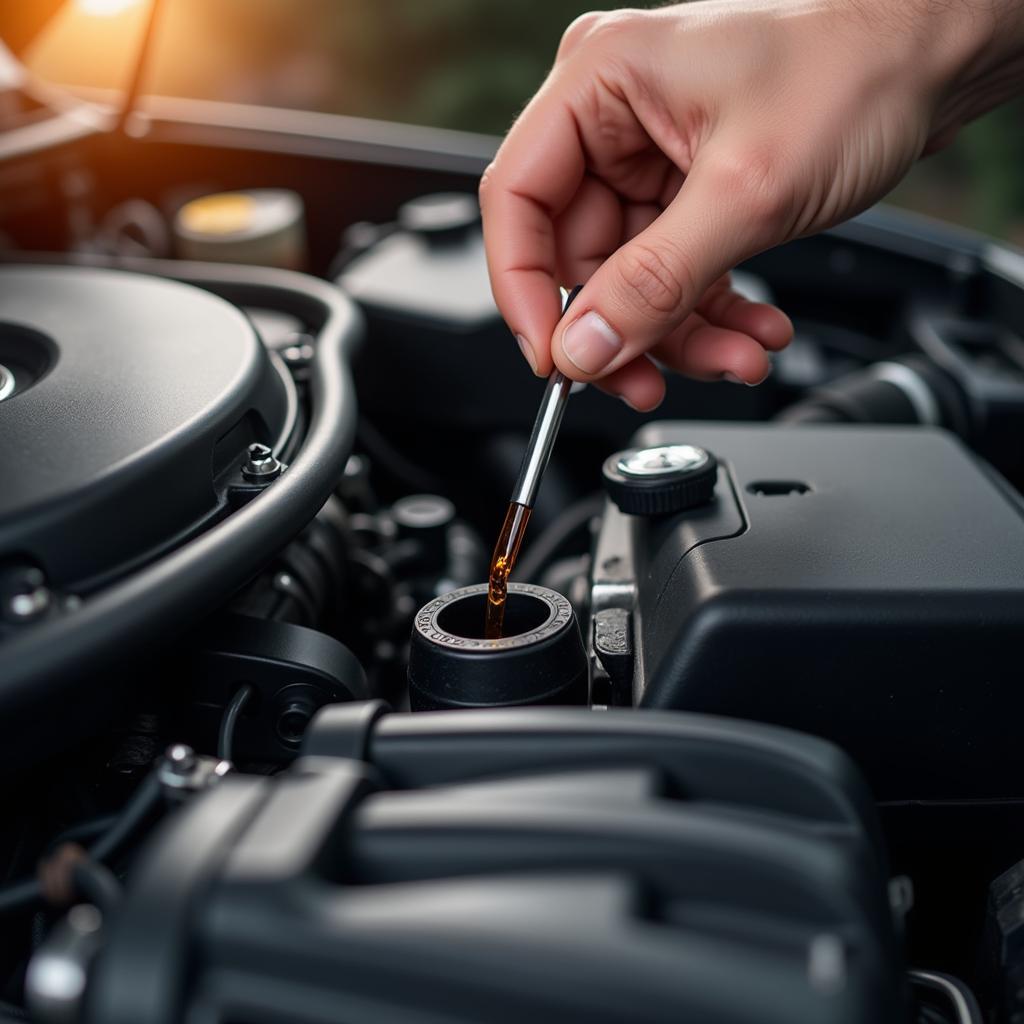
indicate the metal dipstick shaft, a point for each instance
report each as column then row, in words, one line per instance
column 545, row 430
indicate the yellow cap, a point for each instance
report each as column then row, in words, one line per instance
column 222, row 214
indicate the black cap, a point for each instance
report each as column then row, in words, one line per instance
column 540, row 658
column 660, row 481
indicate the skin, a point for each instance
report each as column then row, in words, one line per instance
column 667, row 146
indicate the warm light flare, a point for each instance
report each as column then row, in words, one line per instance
column 105, row 8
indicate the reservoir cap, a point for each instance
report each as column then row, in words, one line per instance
column 660, row 481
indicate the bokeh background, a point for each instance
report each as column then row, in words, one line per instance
column 462, row 64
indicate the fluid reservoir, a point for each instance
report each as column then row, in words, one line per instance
column 264, row 227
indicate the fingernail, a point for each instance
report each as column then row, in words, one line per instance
column 524, row 347
column 623, row 398
column 733, row 379
column 590, row 343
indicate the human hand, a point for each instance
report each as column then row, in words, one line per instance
column 667, row 146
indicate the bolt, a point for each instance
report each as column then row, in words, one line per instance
column 298, row 356
column 181, row 759
column 182, row 772
column 58, row 972
column 84, row 919
column 29, row 597
column 260, row 464
column 292, row 721
column 285, row 583
column 7, row 383
column 356, row 467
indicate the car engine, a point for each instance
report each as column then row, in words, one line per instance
column 747, row 750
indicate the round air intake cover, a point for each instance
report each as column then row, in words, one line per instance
column 133, row 399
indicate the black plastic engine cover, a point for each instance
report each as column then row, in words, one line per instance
column 864, row 584
column 504, row 866
column 136, row 394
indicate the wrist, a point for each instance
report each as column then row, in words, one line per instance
column 977, row 61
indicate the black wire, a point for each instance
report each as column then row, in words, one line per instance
column 141, row 804
column 96, row 884
column 935, row 985
column 18, row 895
column 558, row 532
column 134, row 813
column 84, row 832
column 226, row 738
column 389, row 458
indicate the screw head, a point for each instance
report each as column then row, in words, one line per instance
column 85, row 919
column 298, row 355
column 28, row 597
column 260, row 464
column 181, row 759
column 7, row 383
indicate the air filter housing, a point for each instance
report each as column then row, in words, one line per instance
column 133, row 400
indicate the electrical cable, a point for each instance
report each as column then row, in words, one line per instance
column 95, row 883
column 134, row 813
column 392, row 461
column 558, row 532
column 84, row 832
column 21, row 895
column 226, row 736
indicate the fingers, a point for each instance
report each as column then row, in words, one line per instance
column 710, row 352
column 587, row 232
column 533, row 179
column 698, row 349
column 639, row 384
column 649, row 286
column 725, row 307
column 636, row 217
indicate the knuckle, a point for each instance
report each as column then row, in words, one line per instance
column 752, row 178
column 652, row 283
column 595, row 28
column 579, row 30
column 486, row 185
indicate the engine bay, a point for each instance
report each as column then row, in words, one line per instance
column 750, row 755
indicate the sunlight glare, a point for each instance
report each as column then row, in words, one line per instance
column 105, row 8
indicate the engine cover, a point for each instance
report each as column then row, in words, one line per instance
column 864, row 584
column 131, row 396
column 504, row 866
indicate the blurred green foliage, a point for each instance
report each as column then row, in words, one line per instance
column 979, row 180
column 467, row 64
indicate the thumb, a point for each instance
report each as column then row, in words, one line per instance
column 645, row 289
